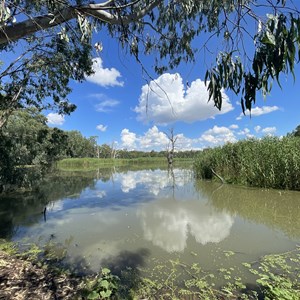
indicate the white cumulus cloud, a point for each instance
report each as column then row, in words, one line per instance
column 101, row 127
column 245, row 131
column 269, row 130
column 258, row 111
column 153, row 139
column 128, row 139
column 167, row 100
column 257, row 128
column 103, row 76
column 218, row 135
column 234, row 126
column 55, row 119
column 184, row 143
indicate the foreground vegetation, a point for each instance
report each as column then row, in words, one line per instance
column 38, row 273
column 271, row 162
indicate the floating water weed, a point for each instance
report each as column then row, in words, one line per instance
column 277, row 277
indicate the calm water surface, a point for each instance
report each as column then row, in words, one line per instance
column 135, row 218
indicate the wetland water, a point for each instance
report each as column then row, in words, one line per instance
column 124, row 218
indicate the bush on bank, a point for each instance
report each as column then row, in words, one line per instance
column 270, row 162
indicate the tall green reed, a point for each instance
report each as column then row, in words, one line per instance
column 271, row 162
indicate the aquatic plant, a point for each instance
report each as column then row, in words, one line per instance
column 272, row 277
column 103, row 286
column 277, row 277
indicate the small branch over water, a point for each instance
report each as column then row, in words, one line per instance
column 222, row 179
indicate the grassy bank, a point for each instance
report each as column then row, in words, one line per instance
column 270, row 162
column 95, row 163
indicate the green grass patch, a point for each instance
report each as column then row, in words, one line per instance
column 95, row 163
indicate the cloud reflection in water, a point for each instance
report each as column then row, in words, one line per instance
column 152, row 180
column 167, row 223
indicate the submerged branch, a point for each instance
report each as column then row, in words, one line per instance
column 222, row 179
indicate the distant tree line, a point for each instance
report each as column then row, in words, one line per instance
column 28, row 147
column 126, row 154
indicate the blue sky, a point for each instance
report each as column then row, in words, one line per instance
column 117, row 105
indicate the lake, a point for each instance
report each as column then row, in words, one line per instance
column 128, row 219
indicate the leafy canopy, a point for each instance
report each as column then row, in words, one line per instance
column 52, row 44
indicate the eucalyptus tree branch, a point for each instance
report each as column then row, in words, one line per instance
column 109, row 5
column 22, row 29
column 98, row 11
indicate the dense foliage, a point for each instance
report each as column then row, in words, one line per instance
column 50, row 44
column 296, row 132
column 28, row 147
column 270, row 162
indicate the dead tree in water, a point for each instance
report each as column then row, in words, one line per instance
column 171, row 147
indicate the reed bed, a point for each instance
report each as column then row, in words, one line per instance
column 271, row 162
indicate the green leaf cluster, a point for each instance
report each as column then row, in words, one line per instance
column 277, row 50
column 103, row 286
